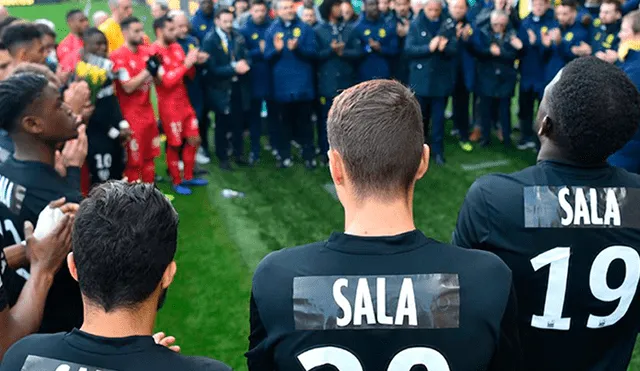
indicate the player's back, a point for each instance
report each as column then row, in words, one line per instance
column 78, row 350
column 571, row 236
column 382, row 303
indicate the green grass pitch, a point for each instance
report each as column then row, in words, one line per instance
column 222, row 240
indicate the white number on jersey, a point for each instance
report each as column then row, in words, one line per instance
column 558, row 261
column 344, row 360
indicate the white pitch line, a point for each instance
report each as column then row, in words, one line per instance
column 484, row 165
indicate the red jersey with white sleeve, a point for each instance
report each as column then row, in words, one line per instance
column 136, row 107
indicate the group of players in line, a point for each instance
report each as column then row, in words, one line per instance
column 543, row 272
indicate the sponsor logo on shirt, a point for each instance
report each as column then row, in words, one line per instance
column 37, row 363
column 419, row 301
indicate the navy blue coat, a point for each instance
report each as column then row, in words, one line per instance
column 431, row 74
column 628, row 157
column 260, row 73
column 604, row 36
column 465, row 62
column 495, row 76
column 532, row 56
column 201, row 25
column 336, row 73
column 292, row 71
column 400, row 63
column 557, row 56
column 376, row 65
column 629, row 6
column 194, row 86
column 220, row 73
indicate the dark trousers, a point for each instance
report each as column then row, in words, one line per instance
column 296, row 123
column 434, row 107
column 204, row 123
column 504, row 117
column 231, row 121
column 526, row 103
column 460, row 102
column 255, row 128
column 323, row 142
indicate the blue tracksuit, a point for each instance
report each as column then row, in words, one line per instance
column 557, row 56
column 376, row 65
column 194, row 86
column 604, row 36
column 201, row 25
column 629, row 6
column 629, row 156
column 292, row 71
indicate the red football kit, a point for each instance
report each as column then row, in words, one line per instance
column 176, row 113
column 68, row 52
column 138, row 111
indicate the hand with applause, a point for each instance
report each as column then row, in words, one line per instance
column 516, row 43
column 532, row 36
column 434, row 43
column 443, row 43
column 495, row 50
column 47, row 254
column 278, row 43
column 292, row 44
column 153, row 65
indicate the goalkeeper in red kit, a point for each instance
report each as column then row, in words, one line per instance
column 177, row 116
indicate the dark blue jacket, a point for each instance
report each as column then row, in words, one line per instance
column 629, row 6
column 628, row 157
column 604, row 36
column 474, row 10
column 557, row 56
column 465, row 61
column 532, row 56
column 260, row 73
column 201, row 25
column 400, row 63
column 336, row 73
column 496, row 76
column 431, row 74
column 292, row 71
column 194, row 86
column 376, row 65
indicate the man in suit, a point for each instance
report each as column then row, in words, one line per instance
column 227, row 90
column 431, row 47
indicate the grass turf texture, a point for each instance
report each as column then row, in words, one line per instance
column 222, row 240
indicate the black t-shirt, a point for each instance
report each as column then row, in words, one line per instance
column 4, row 301
column 382, row 303
column 81, row 351
column 26, row 188
column 571, row 236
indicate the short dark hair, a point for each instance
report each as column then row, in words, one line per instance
column 127, row 22
column 161, row 22
column 124, row 237
column 376, row 127
column 46, row 30
column 258, row 2
column 223, row 10
column 90, row 32
column 73, row 12
column 6, row 23
column 19, row 34
column 325, row 8
column 573, row 4
column 616, row 3
column 17, row 93
column 594, row 109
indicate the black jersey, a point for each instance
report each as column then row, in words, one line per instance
column 571, row 236
column 26, row 188
column 382, row 303
column 4, row 301
column 79, row 351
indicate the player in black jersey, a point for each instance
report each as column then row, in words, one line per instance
column 32, row 111
column 106, row 128
column 381, row 295
column 569, row 227
column 124, row 242
column 46, row 256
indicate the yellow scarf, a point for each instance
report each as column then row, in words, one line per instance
column 624, row 48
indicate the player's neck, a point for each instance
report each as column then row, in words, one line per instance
column 119, row 323
column 379, row 218
column 133, row 48
column 554, row 153
column 33, row 150
column 161, row 42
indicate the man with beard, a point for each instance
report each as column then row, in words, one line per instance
column 124, row 242
column 178, row 118
column 202, row 21
column 68, row 50
column 604, row 33
column 569, row 227
column 135, row 72
column 24, row 42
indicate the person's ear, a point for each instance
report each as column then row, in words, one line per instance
column 336, row 167
column 32, row 125
column 169, row 274
column 424, row 162
column 71, row 263
column 546, row 126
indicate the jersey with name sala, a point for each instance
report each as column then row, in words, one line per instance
column 571, row 236
column 396, row 303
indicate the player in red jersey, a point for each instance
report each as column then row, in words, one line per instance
column 135, row 74
column 178, row 118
